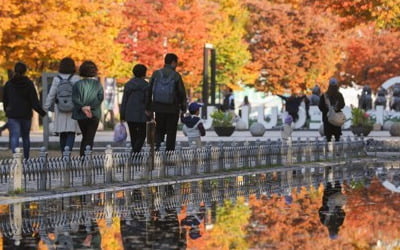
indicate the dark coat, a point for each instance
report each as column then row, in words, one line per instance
column 87, row 92
column 180, row 92
column 337, row 101
column 135, row 100
column 20, row 97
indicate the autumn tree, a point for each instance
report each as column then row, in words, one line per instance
column 155, row 28
column 227, row 31
column 384, row 13
column 40, row 33
column 371, row 56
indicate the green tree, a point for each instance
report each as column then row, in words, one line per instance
column 227, row 32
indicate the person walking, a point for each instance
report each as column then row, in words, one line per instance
column 20, row 97
column 134, row 102
column 292, row 104
column 87, row 96
column 60, row 94
column 167, row 97
column 337, row 101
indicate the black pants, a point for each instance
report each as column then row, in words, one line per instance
column 137, row 131
column 331, row 130
column 166, row 124
column 88, row 128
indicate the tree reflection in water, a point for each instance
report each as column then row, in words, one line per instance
column 278, row 209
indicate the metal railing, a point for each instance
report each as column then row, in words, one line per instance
column 49, row 173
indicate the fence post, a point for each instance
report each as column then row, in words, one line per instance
column 246, row 152
column 235, row 155
column 195, row 160
column 326, row 149
column 268, row 153
column 16, row 171
column 108, row 165
column 279, row 153
column 299, row 150
column 127, row 174
column 221, row 165
column 258, row 154
column 289, row 151
column 179, row 171
column 308, row 150
column 163, row 160
column 207, row 167
column 348, row 150
column 67, row 166
column 88, row 166
column 317, row 149
column 44, row 167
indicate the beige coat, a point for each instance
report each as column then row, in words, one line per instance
column 63, row 121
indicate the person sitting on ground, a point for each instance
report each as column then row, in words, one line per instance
column 193, row 124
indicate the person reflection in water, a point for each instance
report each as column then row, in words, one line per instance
column 331, row 214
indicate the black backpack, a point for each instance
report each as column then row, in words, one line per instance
column 164, row 88
column 64, row 94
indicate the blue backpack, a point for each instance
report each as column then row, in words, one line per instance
column 164, row 88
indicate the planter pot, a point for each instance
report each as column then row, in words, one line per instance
column 361, row 130
column 395, row 129
column 224, row 131
column 257, row 129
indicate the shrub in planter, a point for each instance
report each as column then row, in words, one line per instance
column 361, row 122
column 223, row 123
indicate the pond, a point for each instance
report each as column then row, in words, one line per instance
column 332, row 207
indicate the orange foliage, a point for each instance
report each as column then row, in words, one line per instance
column 372, row 57
column 296, row 47
column 163, row 26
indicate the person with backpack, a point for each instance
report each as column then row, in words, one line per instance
column 167, row 98
column 20, row 97
column 134, row 101
column 60, row 95
column 87, row 96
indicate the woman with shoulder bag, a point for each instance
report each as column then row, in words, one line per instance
column 64, row 125
column 333, row 100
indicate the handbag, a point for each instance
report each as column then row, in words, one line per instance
column 120, row 133
column 334, row 118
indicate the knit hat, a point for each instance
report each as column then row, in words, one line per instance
column 333, row 81
column 194, row 106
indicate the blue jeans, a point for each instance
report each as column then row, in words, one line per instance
column 20, row 128
column 67, row 139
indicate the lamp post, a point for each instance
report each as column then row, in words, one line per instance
column 209, row 66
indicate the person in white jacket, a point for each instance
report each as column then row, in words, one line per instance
column 64, row 125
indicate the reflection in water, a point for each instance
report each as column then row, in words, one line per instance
column 273, row 209
column 331, row 213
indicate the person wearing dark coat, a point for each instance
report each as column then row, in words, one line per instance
column 292, row 105
column 336, row 99
column 20, row 97
column 134, row 102
column 167, row 114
